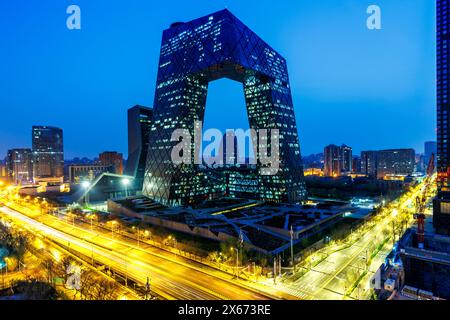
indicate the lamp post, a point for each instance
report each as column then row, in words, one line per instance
column 275, row 271
column 126, row 182
column 240, row 245
column 232, row 251
column 86, row 185
column 292, row 248
column 138, row 234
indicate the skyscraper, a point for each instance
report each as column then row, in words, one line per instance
column 20, row 165
column 229, row 149
column 192, row 55
column 369, row 163
column 48, row 153
column 430, row 149
column 347, row 159
column 332, row 161
column 337, row 160
column 356, row 165
column 441, row 207
column 139, row 126
column 396, row 162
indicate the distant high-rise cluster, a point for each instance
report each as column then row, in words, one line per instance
column 388, row 163
column 338, row 160
column 44, row 162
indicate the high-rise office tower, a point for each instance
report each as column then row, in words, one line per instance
column 48, row 152
column 396, row 162
column 338, row 160
column 369, row 163
column 441, row 205
column 3, row 170
column 229, row 150
column 140, row 121
column 19, row 163
column 356, row 164
column 430, row 149
column 112, row 158
column 347, row 159
column 194, row 54
column 332, row 160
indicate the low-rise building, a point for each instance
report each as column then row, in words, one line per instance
column 87, row 172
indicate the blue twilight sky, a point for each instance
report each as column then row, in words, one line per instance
column 368, row 89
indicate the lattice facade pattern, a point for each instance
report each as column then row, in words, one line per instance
column 192, row 55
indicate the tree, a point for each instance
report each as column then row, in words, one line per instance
column 62, row 267
column 106, row 289
column 87, row 284
column 35, row 290
column 48, row 266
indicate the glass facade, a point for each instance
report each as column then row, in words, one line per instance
column 140, row 121
column 48, row 152
column 397, row 162
column 192, row 55
column 20, row 165
column 369, row 163
column 441, row 220
column 443, row 94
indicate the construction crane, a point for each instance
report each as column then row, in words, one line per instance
column 420, row 217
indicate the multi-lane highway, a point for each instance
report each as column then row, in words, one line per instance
column 171, row 276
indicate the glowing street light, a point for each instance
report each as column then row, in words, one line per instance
column 126, row 182
column 86, row 185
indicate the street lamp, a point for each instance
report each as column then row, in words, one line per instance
column 126, row 182
column 138, row 234
column 86, row 185
column 237, row 260
column 394, row 212
column 292, row 248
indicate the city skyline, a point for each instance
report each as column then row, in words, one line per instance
column 333, row 87
column 358, row 90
